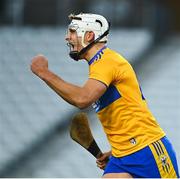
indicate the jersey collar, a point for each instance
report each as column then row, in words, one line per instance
column 97, row 56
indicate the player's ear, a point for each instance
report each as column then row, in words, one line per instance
column 89, row 36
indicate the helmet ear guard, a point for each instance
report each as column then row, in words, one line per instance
column 89, row 22
column 76, row 55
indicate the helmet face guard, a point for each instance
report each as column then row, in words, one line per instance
column 82, row 23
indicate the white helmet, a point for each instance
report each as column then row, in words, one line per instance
column 84, row 22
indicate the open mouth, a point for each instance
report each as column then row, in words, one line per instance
column 71, row 46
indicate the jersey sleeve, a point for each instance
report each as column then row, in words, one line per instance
column 103, row 74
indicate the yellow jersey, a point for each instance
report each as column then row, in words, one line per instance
column 122, row 109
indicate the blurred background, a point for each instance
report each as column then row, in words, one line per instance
column 34, row 121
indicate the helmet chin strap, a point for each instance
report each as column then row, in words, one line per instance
column 76, row 55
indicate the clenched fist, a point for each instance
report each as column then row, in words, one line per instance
column 39, row 65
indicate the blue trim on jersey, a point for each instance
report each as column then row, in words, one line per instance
column 97, row 56
column 142, row 94
column 140, row 164
column 111, row 95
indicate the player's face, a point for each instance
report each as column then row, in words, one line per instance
column 73, row 41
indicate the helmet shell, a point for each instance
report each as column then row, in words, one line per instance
column 84, row 22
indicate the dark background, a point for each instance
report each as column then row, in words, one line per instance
column 158, row 15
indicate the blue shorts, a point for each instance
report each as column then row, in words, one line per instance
column 158, row 160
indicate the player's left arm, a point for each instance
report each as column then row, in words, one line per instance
column 80, row 97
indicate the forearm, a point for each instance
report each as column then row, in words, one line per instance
column 109, row 153
column 69, row 92
column 80, row 97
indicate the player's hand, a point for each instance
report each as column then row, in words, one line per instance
column 39, row 65
column 103, row 160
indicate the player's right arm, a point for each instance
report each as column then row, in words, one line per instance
column 103, row 160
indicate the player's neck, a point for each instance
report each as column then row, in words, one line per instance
column 93, row 50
